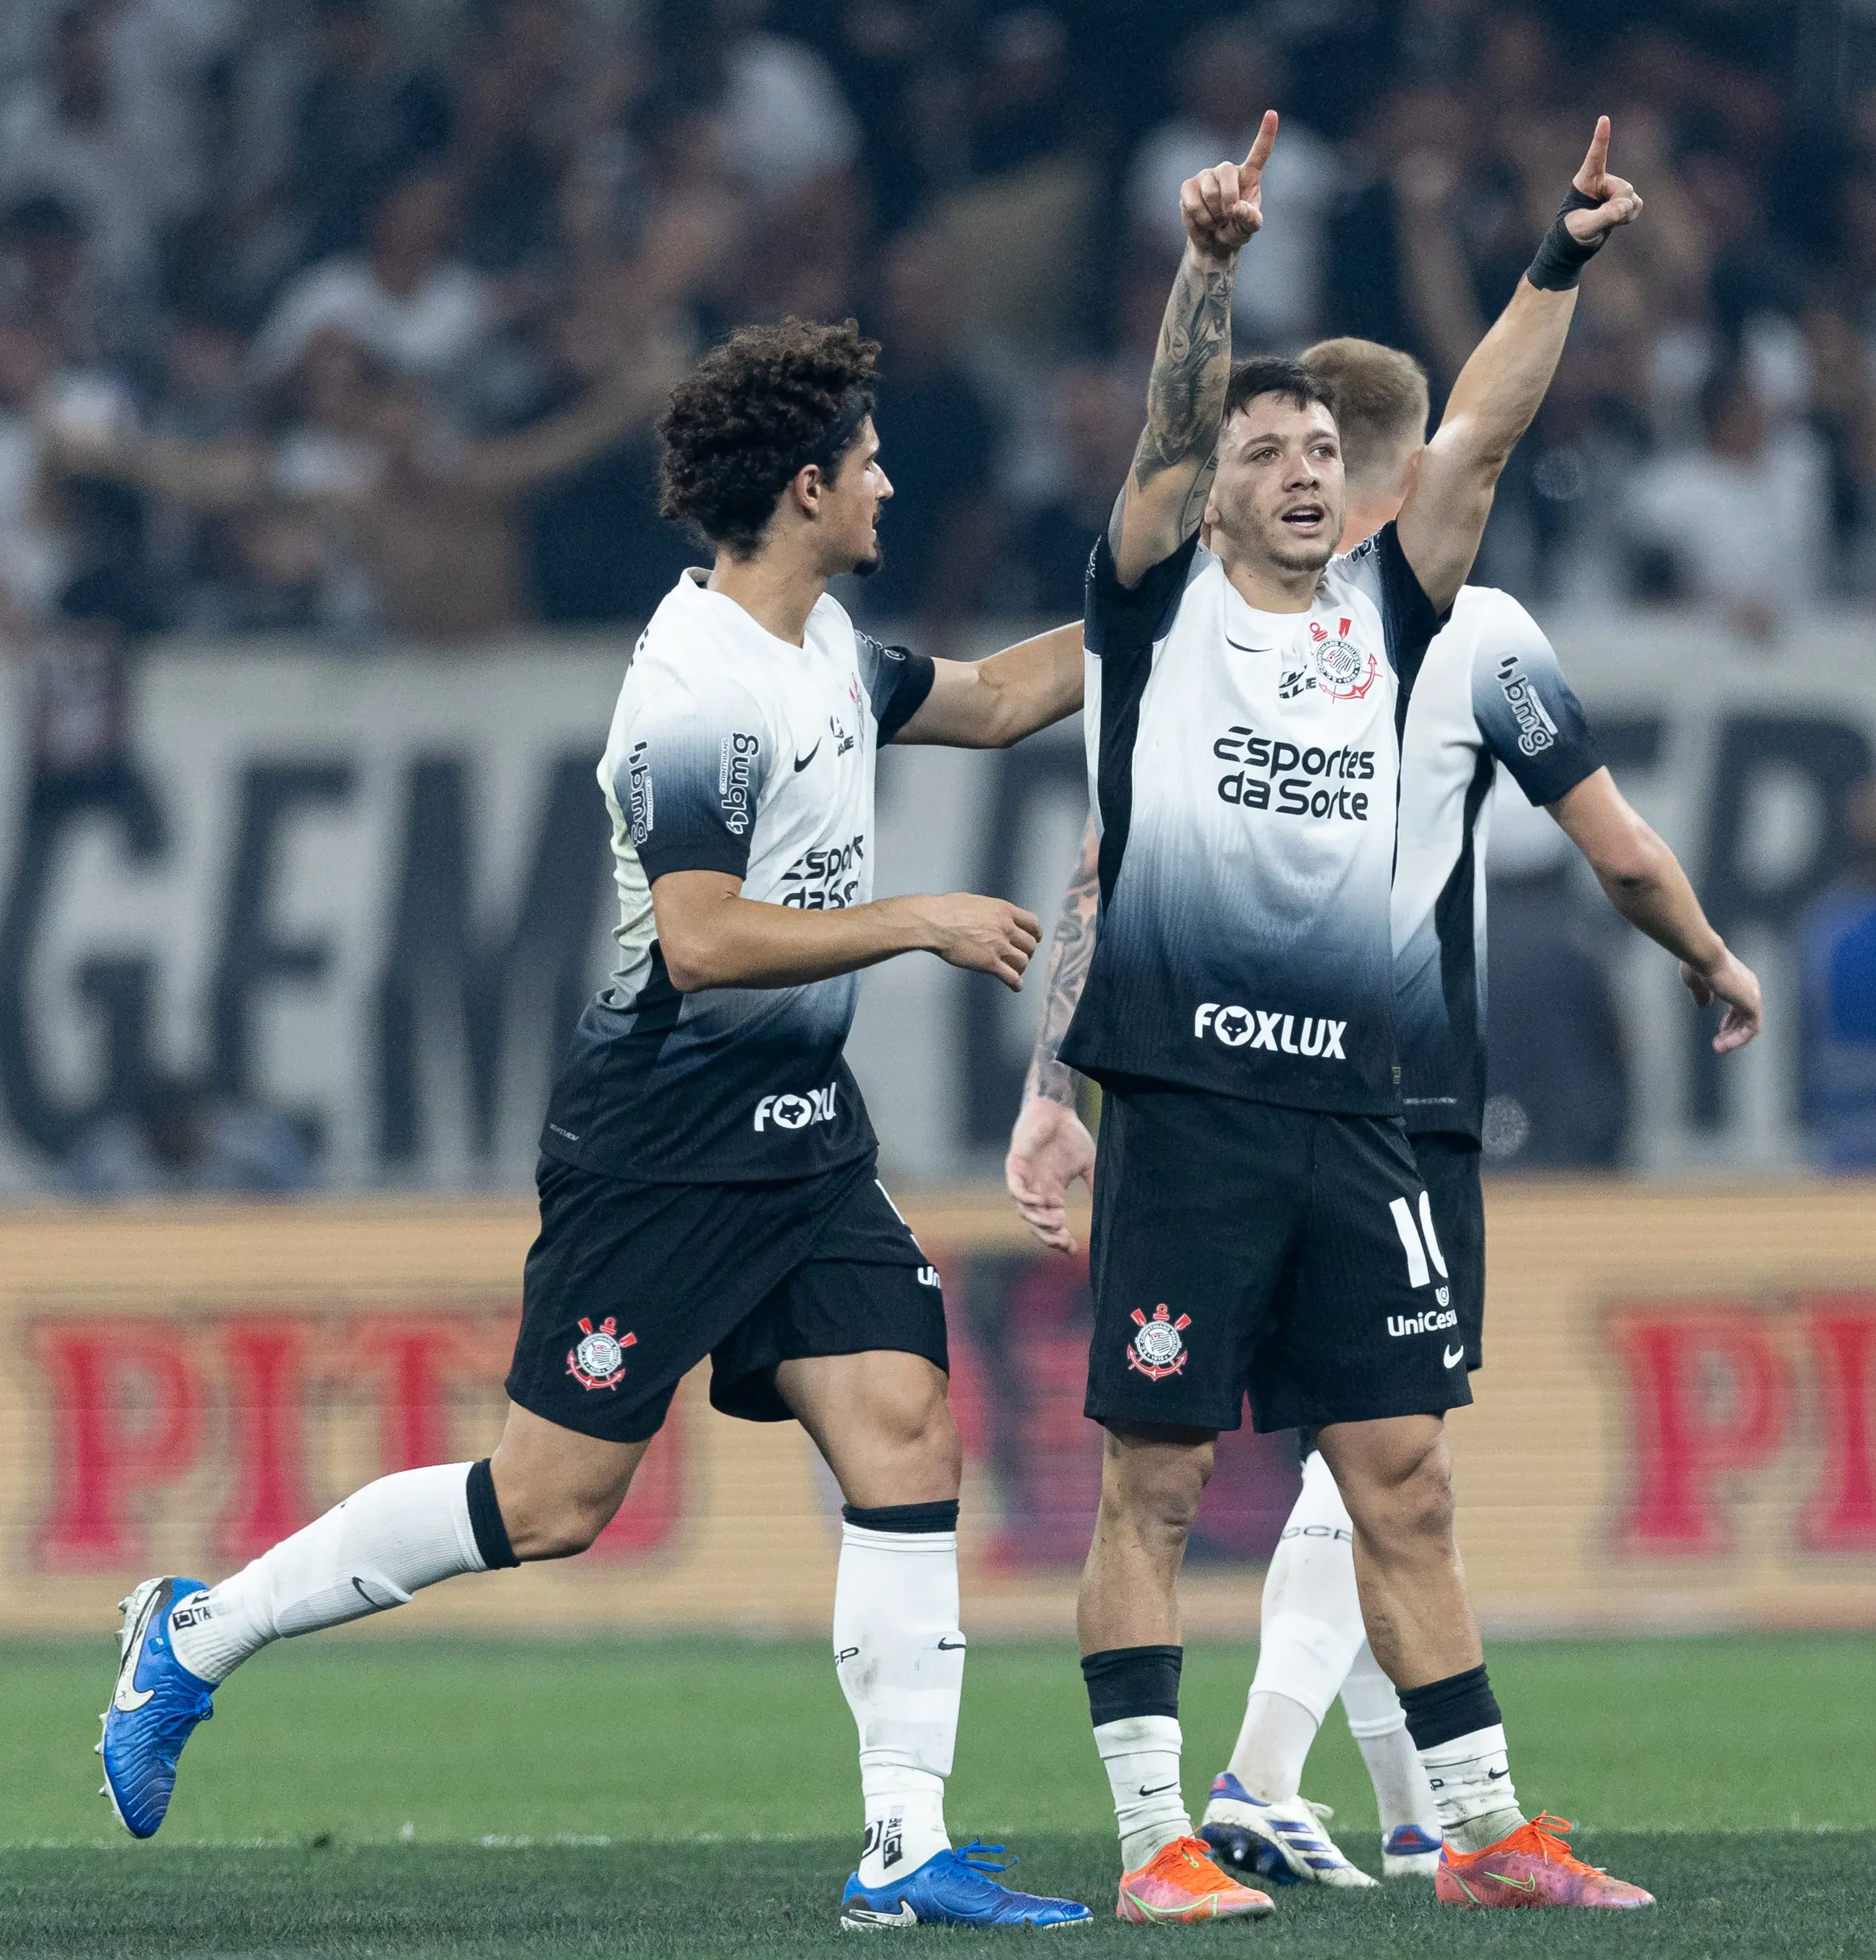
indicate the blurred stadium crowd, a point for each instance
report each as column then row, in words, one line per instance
column 351, row 319
column 353, row 315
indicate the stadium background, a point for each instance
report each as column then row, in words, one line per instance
column 331, row 333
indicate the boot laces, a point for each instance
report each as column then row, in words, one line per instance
column 1548, row 1832
column 1194, row 1852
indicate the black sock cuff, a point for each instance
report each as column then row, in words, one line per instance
column 933, row 1517
column 1443, row 1710
column 1126, row 1681
column 491, row 1534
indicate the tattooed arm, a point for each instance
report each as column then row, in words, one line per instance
column 1050, row 1146
column 1164, row 497
column 1070, row 953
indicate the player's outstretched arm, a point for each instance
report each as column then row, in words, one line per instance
column 711, row 936
column 1050, row 1146
column 1646, row 884
column 990, row 703
column 1502, row 385
column 1164, row 497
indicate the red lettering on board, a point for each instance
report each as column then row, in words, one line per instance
column 1708, row 1395
column 126, row 1414
column 1843, row 1330
column 266, row 1390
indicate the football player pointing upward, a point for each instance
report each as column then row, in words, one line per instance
column 1489, row 691
column 707, row 1172
column 1259, row 1221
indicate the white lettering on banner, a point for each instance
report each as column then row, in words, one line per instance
column 796, row 1113
column 375, row 894
column 1276, row 1031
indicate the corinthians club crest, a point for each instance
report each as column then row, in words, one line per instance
column 1156, row 1351
column 1343, row 671
column 599, row 1362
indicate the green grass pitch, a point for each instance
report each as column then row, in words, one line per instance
column 360, row 1795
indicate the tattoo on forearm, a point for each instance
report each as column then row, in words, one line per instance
column 1191, row 368
column 1071, row 952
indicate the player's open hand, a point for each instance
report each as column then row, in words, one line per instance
column 1617, row 200
column 1223, row 207
column 1732, row 981
column 1049, row 1148
column 984, row 935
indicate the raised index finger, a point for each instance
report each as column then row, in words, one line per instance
column 1596, row 164
column 1263, row 143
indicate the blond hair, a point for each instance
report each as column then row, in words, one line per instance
column 1381, row 406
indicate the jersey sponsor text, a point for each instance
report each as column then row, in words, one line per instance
column 1277, row 1032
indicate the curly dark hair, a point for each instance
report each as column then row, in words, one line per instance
column 754, row 411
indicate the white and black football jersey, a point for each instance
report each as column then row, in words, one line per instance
column 732, row 750
column 1243, row 767
column 1489, row 691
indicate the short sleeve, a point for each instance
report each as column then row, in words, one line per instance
column 1528, row 715
column 690, row 779
column 897, row 681
column 1122, row 620
column 1408, row 616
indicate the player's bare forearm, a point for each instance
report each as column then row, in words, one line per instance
column 1163, row 500
column 1498, row 391
column 1164, row 497
column 990, row 704
column 1071, row 952
column 1503, row 384
column 1643, row 879
column 711, row 936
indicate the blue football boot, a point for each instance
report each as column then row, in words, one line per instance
column 954, row 1888
column 157, row 1704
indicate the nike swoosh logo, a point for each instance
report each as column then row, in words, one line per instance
column 1492, row 1776
column 1163, row 1912
column 1158, row 1788
column 1455, row 1356
column 951, row 1646
column 802, row 762
column 128, row 1697
column 1243, row 649
column 864, row 1916
column 1516, row 1884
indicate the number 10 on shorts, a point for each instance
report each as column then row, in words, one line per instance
column 1419, row 1242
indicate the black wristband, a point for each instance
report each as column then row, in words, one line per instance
column 1562, row 255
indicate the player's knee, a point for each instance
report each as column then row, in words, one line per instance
column 1415, row 1501
column 1426, row 1501
column 558, row 1523
column 917, row 1428
column 1154, row 1493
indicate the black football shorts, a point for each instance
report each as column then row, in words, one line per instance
column 1240, row 1247
column 1449, row 1168
column 630, row 1285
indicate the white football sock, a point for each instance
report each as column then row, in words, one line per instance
column 1470, row 1777
column 370, row 1553
column 1140, row 1754
column 1273, row 1745
column 1310, row 1632
column 1377, row 1722
column 900, row 1657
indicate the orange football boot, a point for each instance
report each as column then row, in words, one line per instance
column 1179, row 1885
column 1531, row 1867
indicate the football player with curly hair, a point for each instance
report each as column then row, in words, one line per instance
column 707, row 1176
